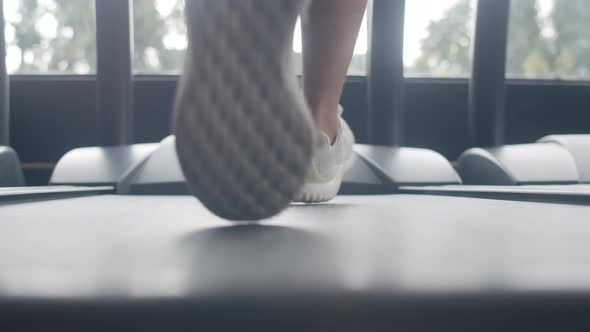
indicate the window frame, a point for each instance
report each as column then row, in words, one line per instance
column 380, row 109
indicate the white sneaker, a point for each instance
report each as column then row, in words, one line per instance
column 329, row 163
column 244, row 132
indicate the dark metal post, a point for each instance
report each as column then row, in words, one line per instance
column 114, row 30
column 386, row 70
column 4, row 94
column 487, row 93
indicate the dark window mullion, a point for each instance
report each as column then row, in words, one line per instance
column 114, row 31
column 487, row 86
column 386, row 69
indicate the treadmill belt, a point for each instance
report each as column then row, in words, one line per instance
column 152, row 247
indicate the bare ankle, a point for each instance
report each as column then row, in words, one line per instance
column 327, row 123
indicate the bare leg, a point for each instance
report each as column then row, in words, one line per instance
column 330, row 29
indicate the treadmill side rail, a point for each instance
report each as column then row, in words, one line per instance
column 99, row 166
column 579, row 147
column 525, row 164
column 374, row 169
column 161, row 174
column 361, row 179
column 400, row 166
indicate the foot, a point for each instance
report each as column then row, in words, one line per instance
column 244, row 135
column 331, row 160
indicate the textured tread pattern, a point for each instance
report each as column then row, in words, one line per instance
column 243, row 131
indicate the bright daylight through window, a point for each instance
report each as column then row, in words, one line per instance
column 549, row 39
column 437, row 41
column 160, row 39
column 160, row 36
column 50, row 36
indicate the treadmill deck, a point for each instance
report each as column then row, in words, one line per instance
column 129, row 247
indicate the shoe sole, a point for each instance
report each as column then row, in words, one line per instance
column 319, row 192
column 243, row 130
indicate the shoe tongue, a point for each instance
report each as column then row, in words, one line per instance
column 324, row 140
column 324, row 154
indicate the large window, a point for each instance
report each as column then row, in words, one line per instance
column 437, row 41
column 50, row 36
column 160, row 39
column 358, row 66
column 549, row 39
column 160, row 36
